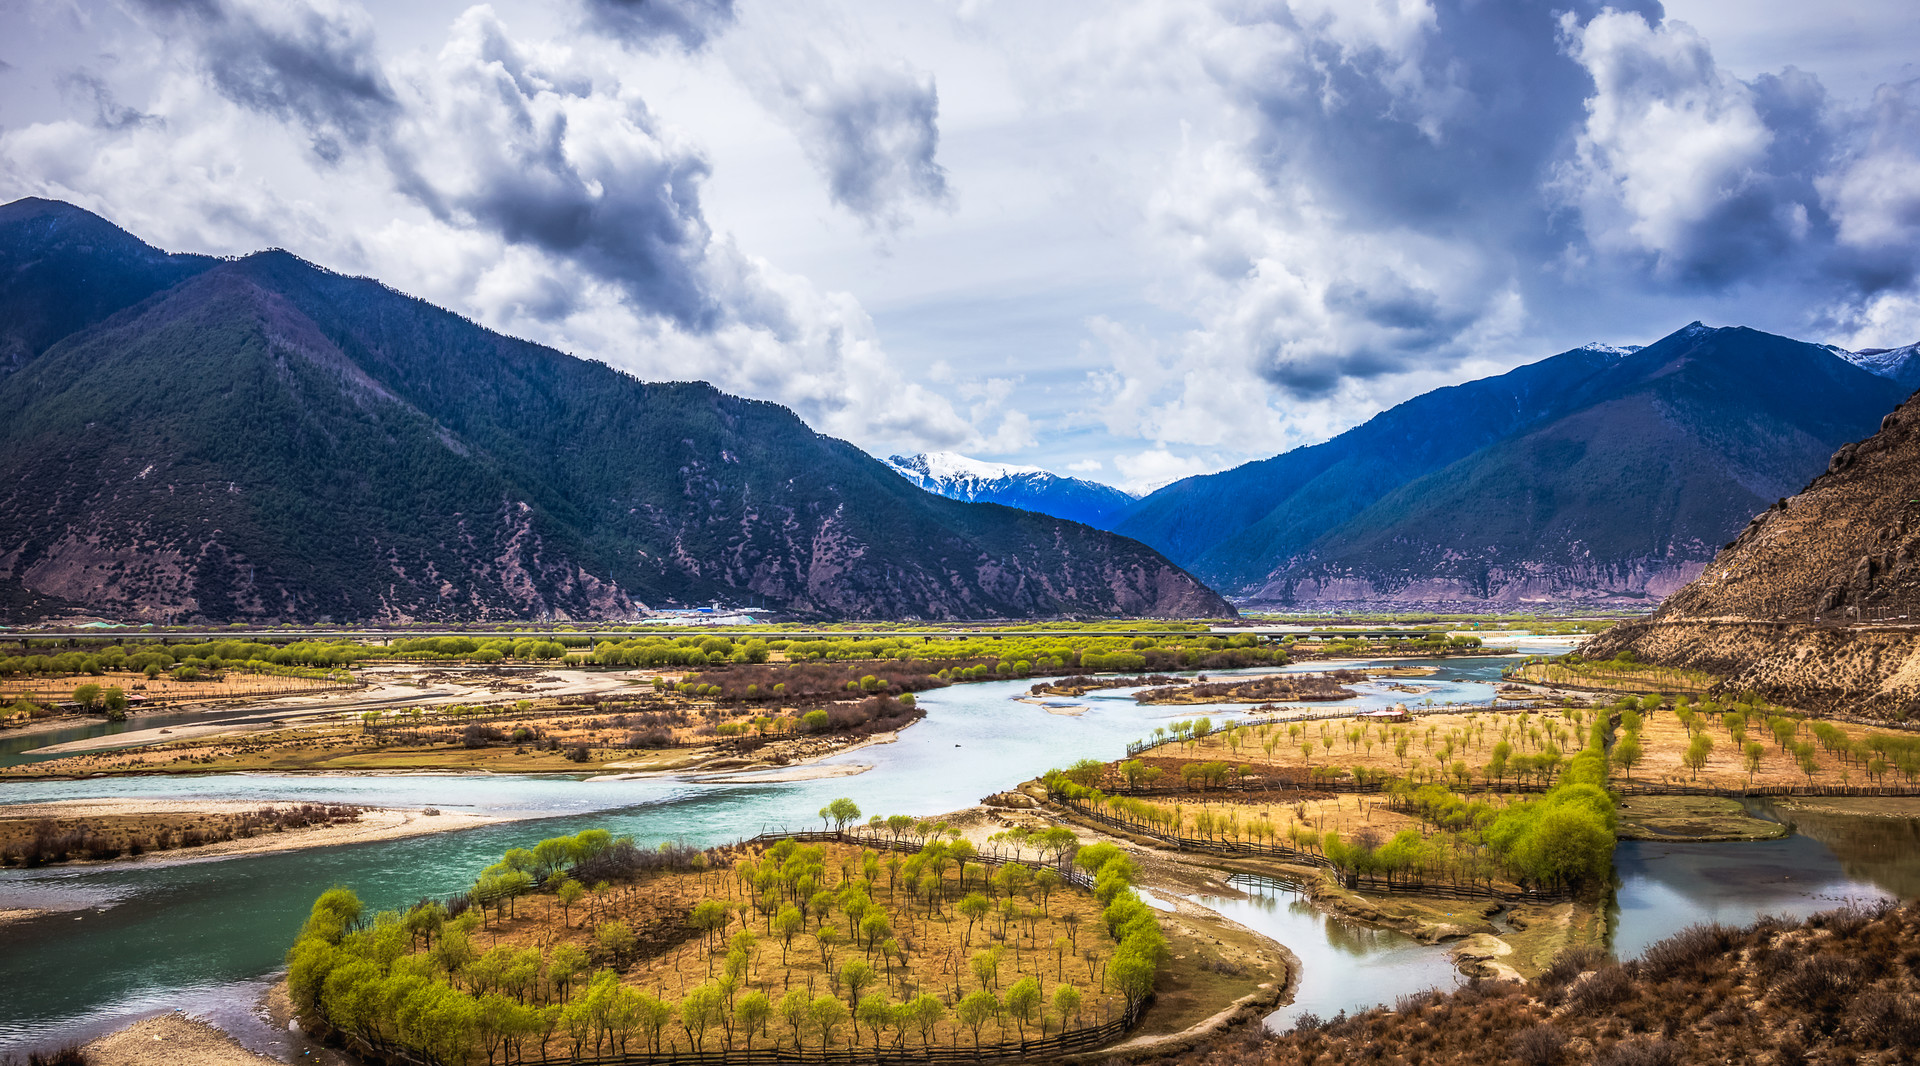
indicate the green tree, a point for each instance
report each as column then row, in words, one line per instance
column 700, row 1010
column 1024, row 1002
column 827, row 1014
column 87, row 696
column 855, row 976
column 876, row 1013
column 976, row 1010
column 569, row 893
column 1699, row 750
column 752, row 1012
column 1751, row 756
column 1066, row 1000
column 974, row 907
column 797, row 1011
column 927, row 1010
column 1626, row 752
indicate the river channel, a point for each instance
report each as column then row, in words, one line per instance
column 205, row 935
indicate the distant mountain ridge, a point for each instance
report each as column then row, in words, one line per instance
column 261, row 439
column 1603, row 474
column 1029, row 488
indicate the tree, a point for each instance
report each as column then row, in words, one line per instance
column 796, row 1010
column 569, row 893
column 855, row 976
column 828, row 1014
column 926, row 1010
column 788, row 924
column 975, row 907
column 976, row 1010
column 1751, row 755
column 1699, row 749
column 875, row 1012
column 751, row 1012
column 700, row 1010
column 1024, row 1002
column 1626, row 752
column 87, row 696
column 1066, row 1000
column 842, row 811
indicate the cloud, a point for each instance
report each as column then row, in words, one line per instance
column 310, row 63
column 1086, row 466
column 1705, row 175
column 108, row 112
column 520, row 143
column 1142, row 472
column 873, row 133
column 649, row 23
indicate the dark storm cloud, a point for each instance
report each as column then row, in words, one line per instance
column 1557, row 148
column 486, row 141
column 537, row 157
column 308, row 67
column 875, row 137
column 647, row 23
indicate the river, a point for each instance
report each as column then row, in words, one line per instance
column 204, row 934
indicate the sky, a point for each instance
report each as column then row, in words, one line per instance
column 1129, row 240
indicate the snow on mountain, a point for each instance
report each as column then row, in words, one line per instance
column 1029, row 488
column 1894, row 364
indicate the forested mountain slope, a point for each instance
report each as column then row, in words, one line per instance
column 267, row 440
column 1599, row 475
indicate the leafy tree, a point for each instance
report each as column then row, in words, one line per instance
column 1024, row 1002
column 797, row 1011
column 700, row 1010
column 975, row 907
column 876, row 1013
column 855, row 977
column 1066, row 1001
column 976, row 1010
column 752, row 1012
column 1626, row 752
column 827, row 1014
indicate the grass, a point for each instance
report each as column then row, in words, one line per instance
column 1692, row 818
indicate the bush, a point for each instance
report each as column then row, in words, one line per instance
column 1538, row 1046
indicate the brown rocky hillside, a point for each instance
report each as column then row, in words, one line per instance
column 1817, row 603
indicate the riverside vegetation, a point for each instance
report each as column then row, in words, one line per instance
column 897, row 935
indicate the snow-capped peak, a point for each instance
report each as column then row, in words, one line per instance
column 1896, row 363
column 952, row 466
column 1618, row 351
column 960, row 477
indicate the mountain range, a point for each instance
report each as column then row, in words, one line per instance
column 1817, row 602
column 1029, row 488
column 261, row 439
column 1599, row 475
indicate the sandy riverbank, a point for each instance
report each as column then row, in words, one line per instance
column 373, row 824
column 171, row 1040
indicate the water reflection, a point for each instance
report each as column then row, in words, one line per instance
column 1344, row 966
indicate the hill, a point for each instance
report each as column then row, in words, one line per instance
column 266, row 440
column 1815, row 603
column 1597, row 475
column 1029, row 488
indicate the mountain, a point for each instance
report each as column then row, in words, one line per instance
column 266, row 440
column 64, row 268
column 1600, row 474
column 1027, row 487
column 1817, row 603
